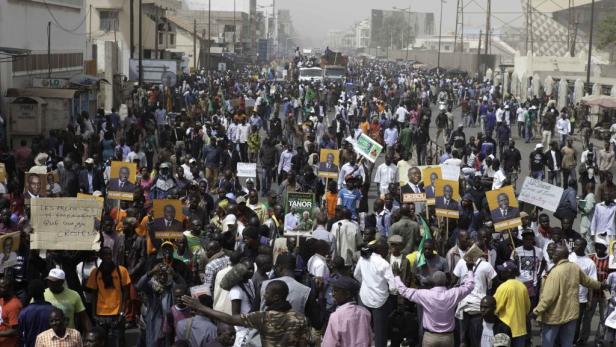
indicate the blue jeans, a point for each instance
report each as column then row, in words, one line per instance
column 538, row 175
column 266, row 179
column 562, row 333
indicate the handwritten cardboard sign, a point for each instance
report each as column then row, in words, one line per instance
column 247, row 170
column 542, row 194
column 64, row 223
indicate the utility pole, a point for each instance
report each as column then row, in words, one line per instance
column 479, row 57
column 209, row 33
column 488, row 25
column 49, row 50
column 132, row 28
column 195, row 44
column 459, row 27
column 408, row 37
column 90, row 30
column 234, row 26
column 156, row 35
column 592, row 23
column 140, row 42
column 440, row 31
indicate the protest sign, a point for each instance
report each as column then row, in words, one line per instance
column 167, row 222
column 91, row 197
column 366, row 147
column 329, row 163
column 450, row 172
column 35, row 185
column 296, row 204
column 504, row 208
column 10, row 245
column 247, row 170
column 430, row 175
column 542, row 194
column 3, row 173
column 447, row 198
column 123, row 181
column 64, row 223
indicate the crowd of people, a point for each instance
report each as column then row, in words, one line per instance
column 367, row 271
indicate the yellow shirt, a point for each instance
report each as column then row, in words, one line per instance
column 560, row 293
column 108, row 301
column 512, row 305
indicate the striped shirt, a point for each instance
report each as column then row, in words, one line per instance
column 48, row 338
column 602, row 271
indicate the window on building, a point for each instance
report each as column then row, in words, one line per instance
column 161, row 38
column 109, row 20
column 446, row 47
column 171, row 39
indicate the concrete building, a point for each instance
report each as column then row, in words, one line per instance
column 397, row 28
column 362, row 34
column 24, row 42
column 471, row 44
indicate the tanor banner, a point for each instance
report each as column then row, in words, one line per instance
column 64, row 223
column 540, row 194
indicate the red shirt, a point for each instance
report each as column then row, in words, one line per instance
column 9, row 319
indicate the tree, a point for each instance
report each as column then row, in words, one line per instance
column 606, row 36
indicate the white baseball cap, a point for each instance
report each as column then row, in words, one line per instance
column 56, row 275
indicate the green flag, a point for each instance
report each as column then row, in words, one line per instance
column 421, row 258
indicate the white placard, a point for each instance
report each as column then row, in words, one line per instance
column 247, row 170
column 64, row 223
column 450, row 172
column 540, row 194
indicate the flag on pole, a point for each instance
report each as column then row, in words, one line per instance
column 421, row 258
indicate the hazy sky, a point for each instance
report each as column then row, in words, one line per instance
column 314, row 18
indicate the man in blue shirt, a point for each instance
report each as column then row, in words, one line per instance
column 349, row 197
column 34, row 318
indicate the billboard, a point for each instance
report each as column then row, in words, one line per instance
column 152, row 69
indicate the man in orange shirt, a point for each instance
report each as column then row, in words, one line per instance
column 109, row 284
column 10, row 307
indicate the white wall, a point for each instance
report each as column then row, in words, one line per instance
column 23, row 24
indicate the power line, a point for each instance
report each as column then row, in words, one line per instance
column 58, row 22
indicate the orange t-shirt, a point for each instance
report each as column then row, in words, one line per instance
column 10, row 319
column 364, row 126
column 331, row 200
column 142, row 230
column 108, row 300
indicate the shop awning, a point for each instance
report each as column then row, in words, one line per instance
column 605, row 101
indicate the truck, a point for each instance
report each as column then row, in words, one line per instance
column 333, row 58
column 310, row 74
column 334, row 73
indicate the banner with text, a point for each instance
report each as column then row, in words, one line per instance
column 64, row 223
column 247, row 170
column 540, row 194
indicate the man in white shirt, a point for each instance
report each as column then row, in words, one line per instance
column 401, row 114
column 351, row 168
column 347, row 236
column 390, row 135
column 317, row 265
column 386, row 173
column 588, row 267
column 563, row 126
column 243, row 130
column 377, row 287
column 520, row 118
column 499, row 175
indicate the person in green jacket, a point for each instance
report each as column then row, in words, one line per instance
column 406, row 140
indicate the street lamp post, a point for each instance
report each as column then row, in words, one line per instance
column 440, row 30
column 592, row 23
